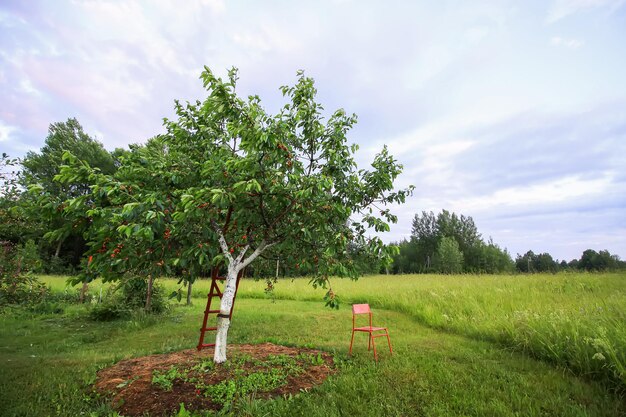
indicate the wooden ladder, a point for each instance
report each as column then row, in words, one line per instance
column 215, row 292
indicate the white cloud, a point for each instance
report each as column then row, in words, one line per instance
column 537, row 195
column 568, row 43
column 476, row 34
column 6, row 132
column 267, row 38
column 564, row 8
column 27, row 86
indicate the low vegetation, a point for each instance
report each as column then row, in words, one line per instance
column 463, row 345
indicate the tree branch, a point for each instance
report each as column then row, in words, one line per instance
column 222, row 241
column 262, row 246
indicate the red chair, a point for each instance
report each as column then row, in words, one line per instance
column 373, row 332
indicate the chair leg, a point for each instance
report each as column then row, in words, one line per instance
column 369, row 343
column 374, row 346
column 351, row 341
column 389, row 343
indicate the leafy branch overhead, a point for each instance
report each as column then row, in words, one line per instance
column 228, row 182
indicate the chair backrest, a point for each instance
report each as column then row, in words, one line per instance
column 361, row 309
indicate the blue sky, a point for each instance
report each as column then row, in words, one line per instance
column 511, row 112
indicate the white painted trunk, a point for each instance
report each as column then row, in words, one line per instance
column 223, row 321
column 235, row 264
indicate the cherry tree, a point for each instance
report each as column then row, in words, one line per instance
column 228, row 182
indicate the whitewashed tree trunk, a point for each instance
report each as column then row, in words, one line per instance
column 235, row 265
column 223, row 320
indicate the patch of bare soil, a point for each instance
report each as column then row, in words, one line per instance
column 129, row 383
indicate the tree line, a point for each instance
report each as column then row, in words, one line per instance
column 451, row 244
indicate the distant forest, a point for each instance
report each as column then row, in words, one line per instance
column 450, row 243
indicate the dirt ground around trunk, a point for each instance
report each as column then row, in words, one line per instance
column 129, row 383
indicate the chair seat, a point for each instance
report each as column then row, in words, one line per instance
column 369, row 329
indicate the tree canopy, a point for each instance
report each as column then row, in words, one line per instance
column 40, row 169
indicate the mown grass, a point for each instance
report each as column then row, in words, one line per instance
column 48, row 362
column 573, row 320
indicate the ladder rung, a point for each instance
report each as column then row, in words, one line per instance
column 207, row 345
column 208, row 329
column 211, row 311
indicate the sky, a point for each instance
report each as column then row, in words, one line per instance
column 513, row 113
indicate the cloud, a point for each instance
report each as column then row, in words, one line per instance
column 568, row 43
column 563, row 8
column 6, row 132
column 530, row 180
column 472, row 99
column 542, row 194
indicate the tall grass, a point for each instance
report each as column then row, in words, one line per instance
column 577, row 321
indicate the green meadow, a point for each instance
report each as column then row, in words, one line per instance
column 520, row 345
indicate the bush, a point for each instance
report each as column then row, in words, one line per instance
column 109, row 311
column 134, row 291
column 17, row 285
column 47, row 307
column 21, row 289
column 127, row 297
column 58, row 266
column 28, row 256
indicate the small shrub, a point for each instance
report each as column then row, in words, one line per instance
column 17, row 285
column 58, row 266
column 28, row 255
column 110, row 310
column 47, row 307
column 134, row 291
column 128, row 297
column 165, row 380
column 21, row 289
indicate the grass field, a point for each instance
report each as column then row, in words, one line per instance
column 543, row 345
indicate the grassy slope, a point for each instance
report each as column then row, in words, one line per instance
column 46, row 361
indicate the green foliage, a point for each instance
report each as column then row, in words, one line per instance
column 109, row 311
column 41, row 168
column 266, row 376
column 421, row 253
column 599, row 261
column 449, row 258
column 28, row 256
column 242, row 384
column 532, row 262
column 45, row 203
column 128, row 297
column 165, row 379
column 21, row 289
column 133, row 295
column 490, row 258
column 182, row 412
column 17, row 284
column 315, row 360
column 15, row 225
